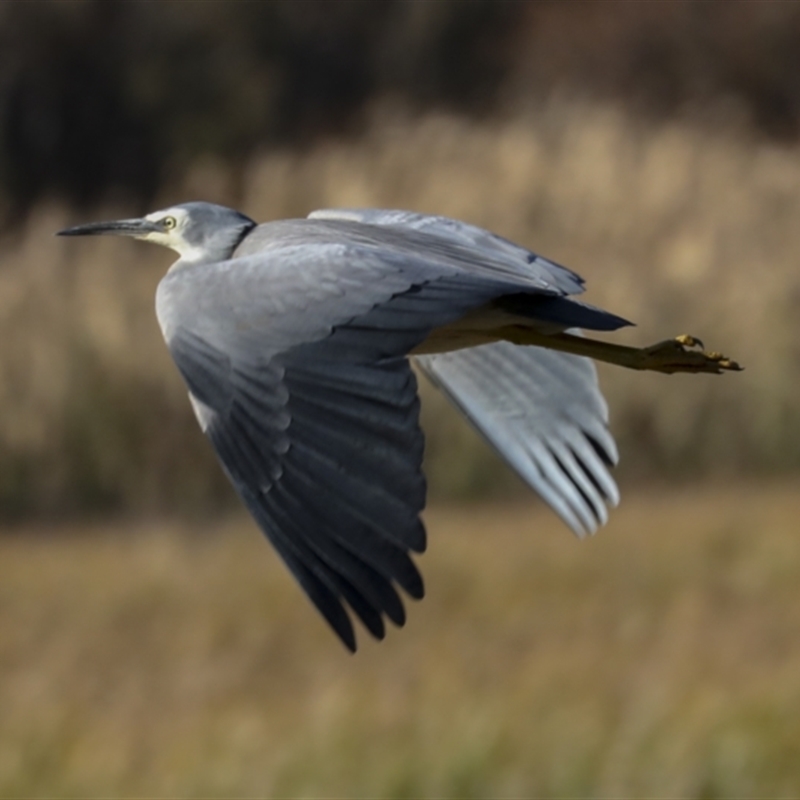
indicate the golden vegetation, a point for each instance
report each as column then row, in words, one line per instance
column 682, row 230
column 660, row 659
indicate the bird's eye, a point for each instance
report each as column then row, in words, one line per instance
column 169, row 223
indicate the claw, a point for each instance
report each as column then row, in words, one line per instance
column 690, row 341
column 685, row 354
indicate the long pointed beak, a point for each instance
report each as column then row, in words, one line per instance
column 121, row 227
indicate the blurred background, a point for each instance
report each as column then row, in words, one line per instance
column 150, row 643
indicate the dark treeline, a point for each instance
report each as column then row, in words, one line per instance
column 102, row 99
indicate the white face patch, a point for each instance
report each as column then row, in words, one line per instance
column 173, row 237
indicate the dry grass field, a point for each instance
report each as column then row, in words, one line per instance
column 660, row 659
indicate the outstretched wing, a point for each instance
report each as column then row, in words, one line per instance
column 326, row 454
column 543, row 412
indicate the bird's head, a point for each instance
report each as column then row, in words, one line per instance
column 198, row 232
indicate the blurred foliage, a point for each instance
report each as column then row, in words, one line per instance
column 109, row 100
column 679, row 229
column 651, row 146
column 704, row 60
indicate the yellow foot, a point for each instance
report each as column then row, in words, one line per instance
column 684, row 354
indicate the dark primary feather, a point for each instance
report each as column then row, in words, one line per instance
column 560, row 311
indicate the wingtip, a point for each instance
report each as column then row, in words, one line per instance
column 348, row 640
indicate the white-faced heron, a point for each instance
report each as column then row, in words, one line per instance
column 294, row 339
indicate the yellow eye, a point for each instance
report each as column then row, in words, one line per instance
column 169, row 223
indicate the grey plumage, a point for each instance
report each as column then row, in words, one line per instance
column 294, row 338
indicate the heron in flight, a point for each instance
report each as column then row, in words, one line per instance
column 294, row 339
